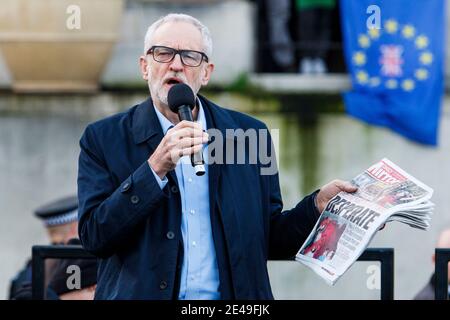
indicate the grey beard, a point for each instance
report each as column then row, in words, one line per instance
column 163, row 99
column 157, row 94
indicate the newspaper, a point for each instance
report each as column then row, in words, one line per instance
column 350, row 220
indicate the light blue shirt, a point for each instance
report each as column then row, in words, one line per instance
column 199, row 272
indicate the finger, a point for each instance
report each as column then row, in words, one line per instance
column 190, row 142
column 191, row 150
column 178, row 134
column 175, row 155
column 188, row 124
column 174, row 137
column 346, row 186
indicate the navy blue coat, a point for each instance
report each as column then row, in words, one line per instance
column 134, row 227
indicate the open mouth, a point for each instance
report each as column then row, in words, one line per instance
column 173, row 81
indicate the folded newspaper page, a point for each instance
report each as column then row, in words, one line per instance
column 350, row 220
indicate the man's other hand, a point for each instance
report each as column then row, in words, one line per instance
column 328, row 191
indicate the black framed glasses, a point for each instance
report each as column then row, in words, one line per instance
column 190, row 58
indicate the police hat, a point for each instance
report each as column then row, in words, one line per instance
column 59, row 212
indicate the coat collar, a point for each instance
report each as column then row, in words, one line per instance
column 146, row 127
column 217, row 117
column 145, row 124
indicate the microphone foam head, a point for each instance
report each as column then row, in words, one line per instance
column 179, row 95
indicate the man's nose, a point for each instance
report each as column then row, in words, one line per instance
column 176, row 63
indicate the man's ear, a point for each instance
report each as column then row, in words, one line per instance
column 207, row 73
column 433, row 258
column 144, row 67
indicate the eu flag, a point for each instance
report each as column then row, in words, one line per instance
column 397, row 69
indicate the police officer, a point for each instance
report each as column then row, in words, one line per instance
column 60, row 219
column 68, row 283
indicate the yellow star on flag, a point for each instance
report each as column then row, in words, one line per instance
column 421, row 42
column 421, row 74
column 391, row 26
column 408, row 85
column 362, row 77
column 391, row 84
column 359, row 58
column 374, row 33
column 375, row 81
column 408, row 31
column 364, row 41
column 426, row 58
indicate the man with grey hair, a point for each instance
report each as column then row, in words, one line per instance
column 161, row 231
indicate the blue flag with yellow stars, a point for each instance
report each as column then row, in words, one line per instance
column 397, row 65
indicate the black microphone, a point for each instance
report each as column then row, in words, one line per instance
column 181, row 100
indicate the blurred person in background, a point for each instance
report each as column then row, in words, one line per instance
column 61, row 284
column 60, row 218
column 428, row 292
column 314, row 21
column 278, row 13
column 71, row 279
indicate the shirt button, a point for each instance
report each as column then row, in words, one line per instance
column 194, row 243
column 192, row 278
column 192, row 211
column 174, row 189
column 170, row 235
column 190, row 179
column 163, row 285
column 135, row 199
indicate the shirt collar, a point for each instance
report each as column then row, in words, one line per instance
column 166, row 124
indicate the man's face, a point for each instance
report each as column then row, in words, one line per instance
column 162, row 76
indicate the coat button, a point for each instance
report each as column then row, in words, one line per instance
column 170, row 235
column 135, row 199
column 126, row 186
column 163, row 285
column 174, row 189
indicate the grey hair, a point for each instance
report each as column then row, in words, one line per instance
column 175, row 17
